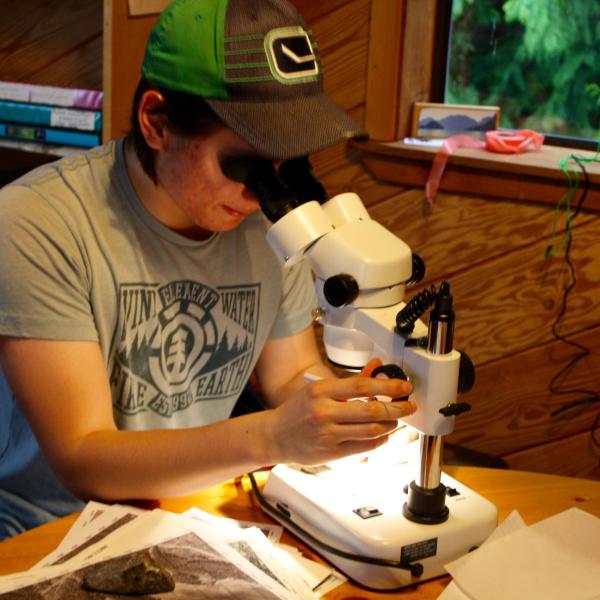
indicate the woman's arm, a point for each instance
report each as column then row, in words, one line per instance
column 64, row 390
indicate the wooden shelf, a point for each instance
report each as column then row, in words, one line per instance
column 533, row 176
column 48, row 43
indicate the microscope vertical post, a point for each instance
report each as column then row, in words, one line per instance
column 431, row 448
column 426, row 495
column 439, row 341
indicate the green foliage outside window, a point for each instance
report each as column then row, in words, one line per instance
column 539, row 60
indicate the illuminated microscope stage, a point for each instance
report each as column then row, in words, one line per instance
column 356, row 507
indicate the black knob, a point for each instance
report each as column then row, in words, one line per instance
column 391, row 370
column 340, row 289
column 451, row 410
column 466, row 373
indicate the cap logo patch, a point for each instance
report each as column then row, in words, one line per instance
column 291, row 55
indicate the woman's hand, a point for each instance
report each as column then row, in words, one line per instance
column 322, row 421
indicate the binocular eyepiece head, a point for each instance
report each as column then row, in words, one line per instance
column 278, row 191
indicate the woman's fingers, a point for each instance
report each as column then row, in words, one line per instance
column 362, row 411
column 360, row 387
column 368, row 369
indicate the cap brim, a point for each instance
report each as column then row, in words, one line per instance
column 288, row 128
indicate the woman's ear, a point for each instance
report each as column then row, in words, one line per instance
column 152, row 120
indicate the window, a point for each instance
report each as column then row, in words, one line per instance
column 539, row 60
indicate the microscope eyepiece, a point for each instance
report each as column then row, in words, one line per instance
column 278, row 192
column 260, row 177
column 298, row 175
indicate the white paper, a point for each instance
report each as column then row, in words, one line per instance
column 95, row 523
column 106, row 531
column 555, row 559
column 159, row 525
column 234, row 573
column 272, row 532
column 453, row 592
column 274, row 561
column 76, row 532
column 296, row 572
column 333, row 580
column 320, row 577
column 512, row 523
column 436, row 143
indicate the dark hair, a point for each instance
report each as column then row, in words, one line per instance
column 187, row 115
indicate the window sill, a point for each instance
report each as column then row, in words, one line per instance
column 529, row 177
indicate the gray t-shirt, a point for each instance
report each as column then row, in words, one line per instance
column 180, row 322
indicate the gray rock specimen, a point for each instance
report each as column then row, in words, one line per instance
column 133, row 574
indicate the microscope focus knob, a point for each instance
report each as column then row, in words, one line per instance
column 340, row 289
column 466, row 373
column 393, row 372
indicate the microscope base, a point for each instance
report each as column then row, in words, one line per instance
column 326, row 502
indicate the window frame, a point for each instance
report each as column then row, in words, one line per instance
column 444, row 25
column 396, row 80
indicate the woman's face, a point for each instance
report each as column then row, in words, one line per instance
column 198, row 199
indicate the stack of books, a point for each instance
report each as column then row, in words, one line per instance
column 50, row 114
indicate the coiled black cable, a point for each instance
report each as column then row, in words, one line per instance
column 590, row 396
column 406, row 318
column 416, row 569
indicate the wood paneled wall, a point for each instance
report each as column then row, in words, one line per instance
column 52, row 43
column 507, row 294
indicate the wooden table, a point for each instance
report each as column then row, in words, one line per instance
column 536, row 496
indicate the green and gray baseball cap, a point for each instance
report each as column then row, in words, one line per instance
column 256, row 64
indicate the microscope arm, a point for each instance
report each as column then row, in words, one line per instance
column 370, row 332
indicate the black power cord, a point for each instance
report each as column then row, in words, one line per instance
column 590, row 397
column 415, row 569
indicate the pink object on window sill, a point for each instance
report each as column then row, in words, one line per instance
column 514, row 142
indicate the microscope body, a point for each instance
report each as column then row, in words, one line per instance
column 403, row 514
column 362, row 268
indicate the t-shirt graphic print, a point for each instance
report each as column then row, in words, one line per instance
column 181, row 343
